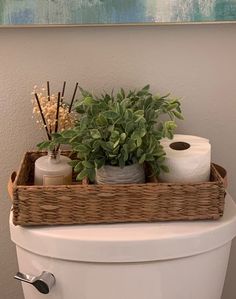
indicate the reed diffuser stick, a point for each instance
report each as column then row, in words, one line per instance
column 43, row 118
column 63, row 91
column 48, row 90
column 49, row 98
column 73, row 97
column 57, row 112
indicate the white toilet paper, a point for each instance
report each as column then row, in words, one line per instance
column 188, row 159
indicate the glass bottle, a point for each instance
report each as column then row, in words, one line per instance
column 53, row 169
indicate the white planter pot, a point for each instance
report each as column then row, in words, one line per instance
column 131, row 174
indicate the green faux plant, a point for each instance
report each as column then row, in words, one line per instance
column 120, row 130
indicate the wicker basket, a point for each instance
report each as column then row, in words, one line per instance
column 90, row 203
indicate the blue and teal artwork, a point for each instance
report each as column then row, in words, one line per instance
column 83, row 12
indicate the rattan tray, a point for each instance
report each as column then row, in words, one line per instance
column 90, row 203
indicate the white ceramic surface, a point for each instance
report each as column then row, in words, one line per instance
column 174, row 260
column 128, row 242
column 197, row 277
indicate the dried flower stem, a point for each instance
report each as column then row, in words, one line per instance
column 73, row 97
column 43, row 118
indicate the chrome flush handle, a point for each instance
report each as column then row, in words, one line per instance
column 43, row 283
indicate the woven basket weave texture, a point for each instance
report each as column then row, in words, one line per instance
column 91, row 203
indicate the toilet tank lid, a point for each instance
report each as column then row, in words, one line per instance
column 128, row 242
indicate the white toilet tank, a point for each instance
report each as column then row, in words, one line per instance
column 168, row 260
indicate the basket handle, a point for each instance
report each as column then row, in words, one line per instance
column 11, row 184
column 223, row 174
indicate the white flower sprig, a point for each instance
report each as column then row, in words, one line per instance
column 51, row 112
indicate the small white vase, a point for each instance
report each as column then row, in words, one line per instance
column 53, row 169
column 130, row 174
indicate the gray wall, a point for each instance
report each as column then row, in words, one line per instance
column 196, row 62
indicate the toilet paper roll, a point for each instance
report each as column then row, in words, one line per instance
column 188, row 159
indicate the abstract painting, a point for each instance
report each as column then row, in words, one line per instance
column 105, row 12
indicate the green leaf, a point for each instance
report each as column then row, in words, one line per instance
column 68, row 133
column 139, row 152
column 73, row 163
column 172, row 106
column 88, row 164
column 142, row 159
column 56, row 135
column 110, row 114
column 164, row 168
column 178, row 115
column 125, row 103
column 95, row 134
column 165, row 96
column 142, row 132
column 80, row 109
column 161, row 159
column 44, row 144
column 119, row 96
column 83, row 123
column 139, row 113
column 125, row 152
column 107, row 146
column 78, row 167
column 122, row 137
column 52, row 146
column 168, row 129
column 149, row 157
column 147, row 87
column 141, row 93
column 148, row 103
column 115, row 135
column 110, row 128
column 158, row 152
column 95, row 110
column 150, row 115
column 82, row 148
column 91, row 174
column 84, row 92
column 122, row 92
column 82, row 175
column 135, row 135
column 118, row 109
column 129, row 127
column 169, row 134
column 101, row 120
column 116, row 150
column 116, row 143
column 131, row 145
column 139, row 141
column 75, row 140
column 99, row 162
column 96, row 145
column 88, row 101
